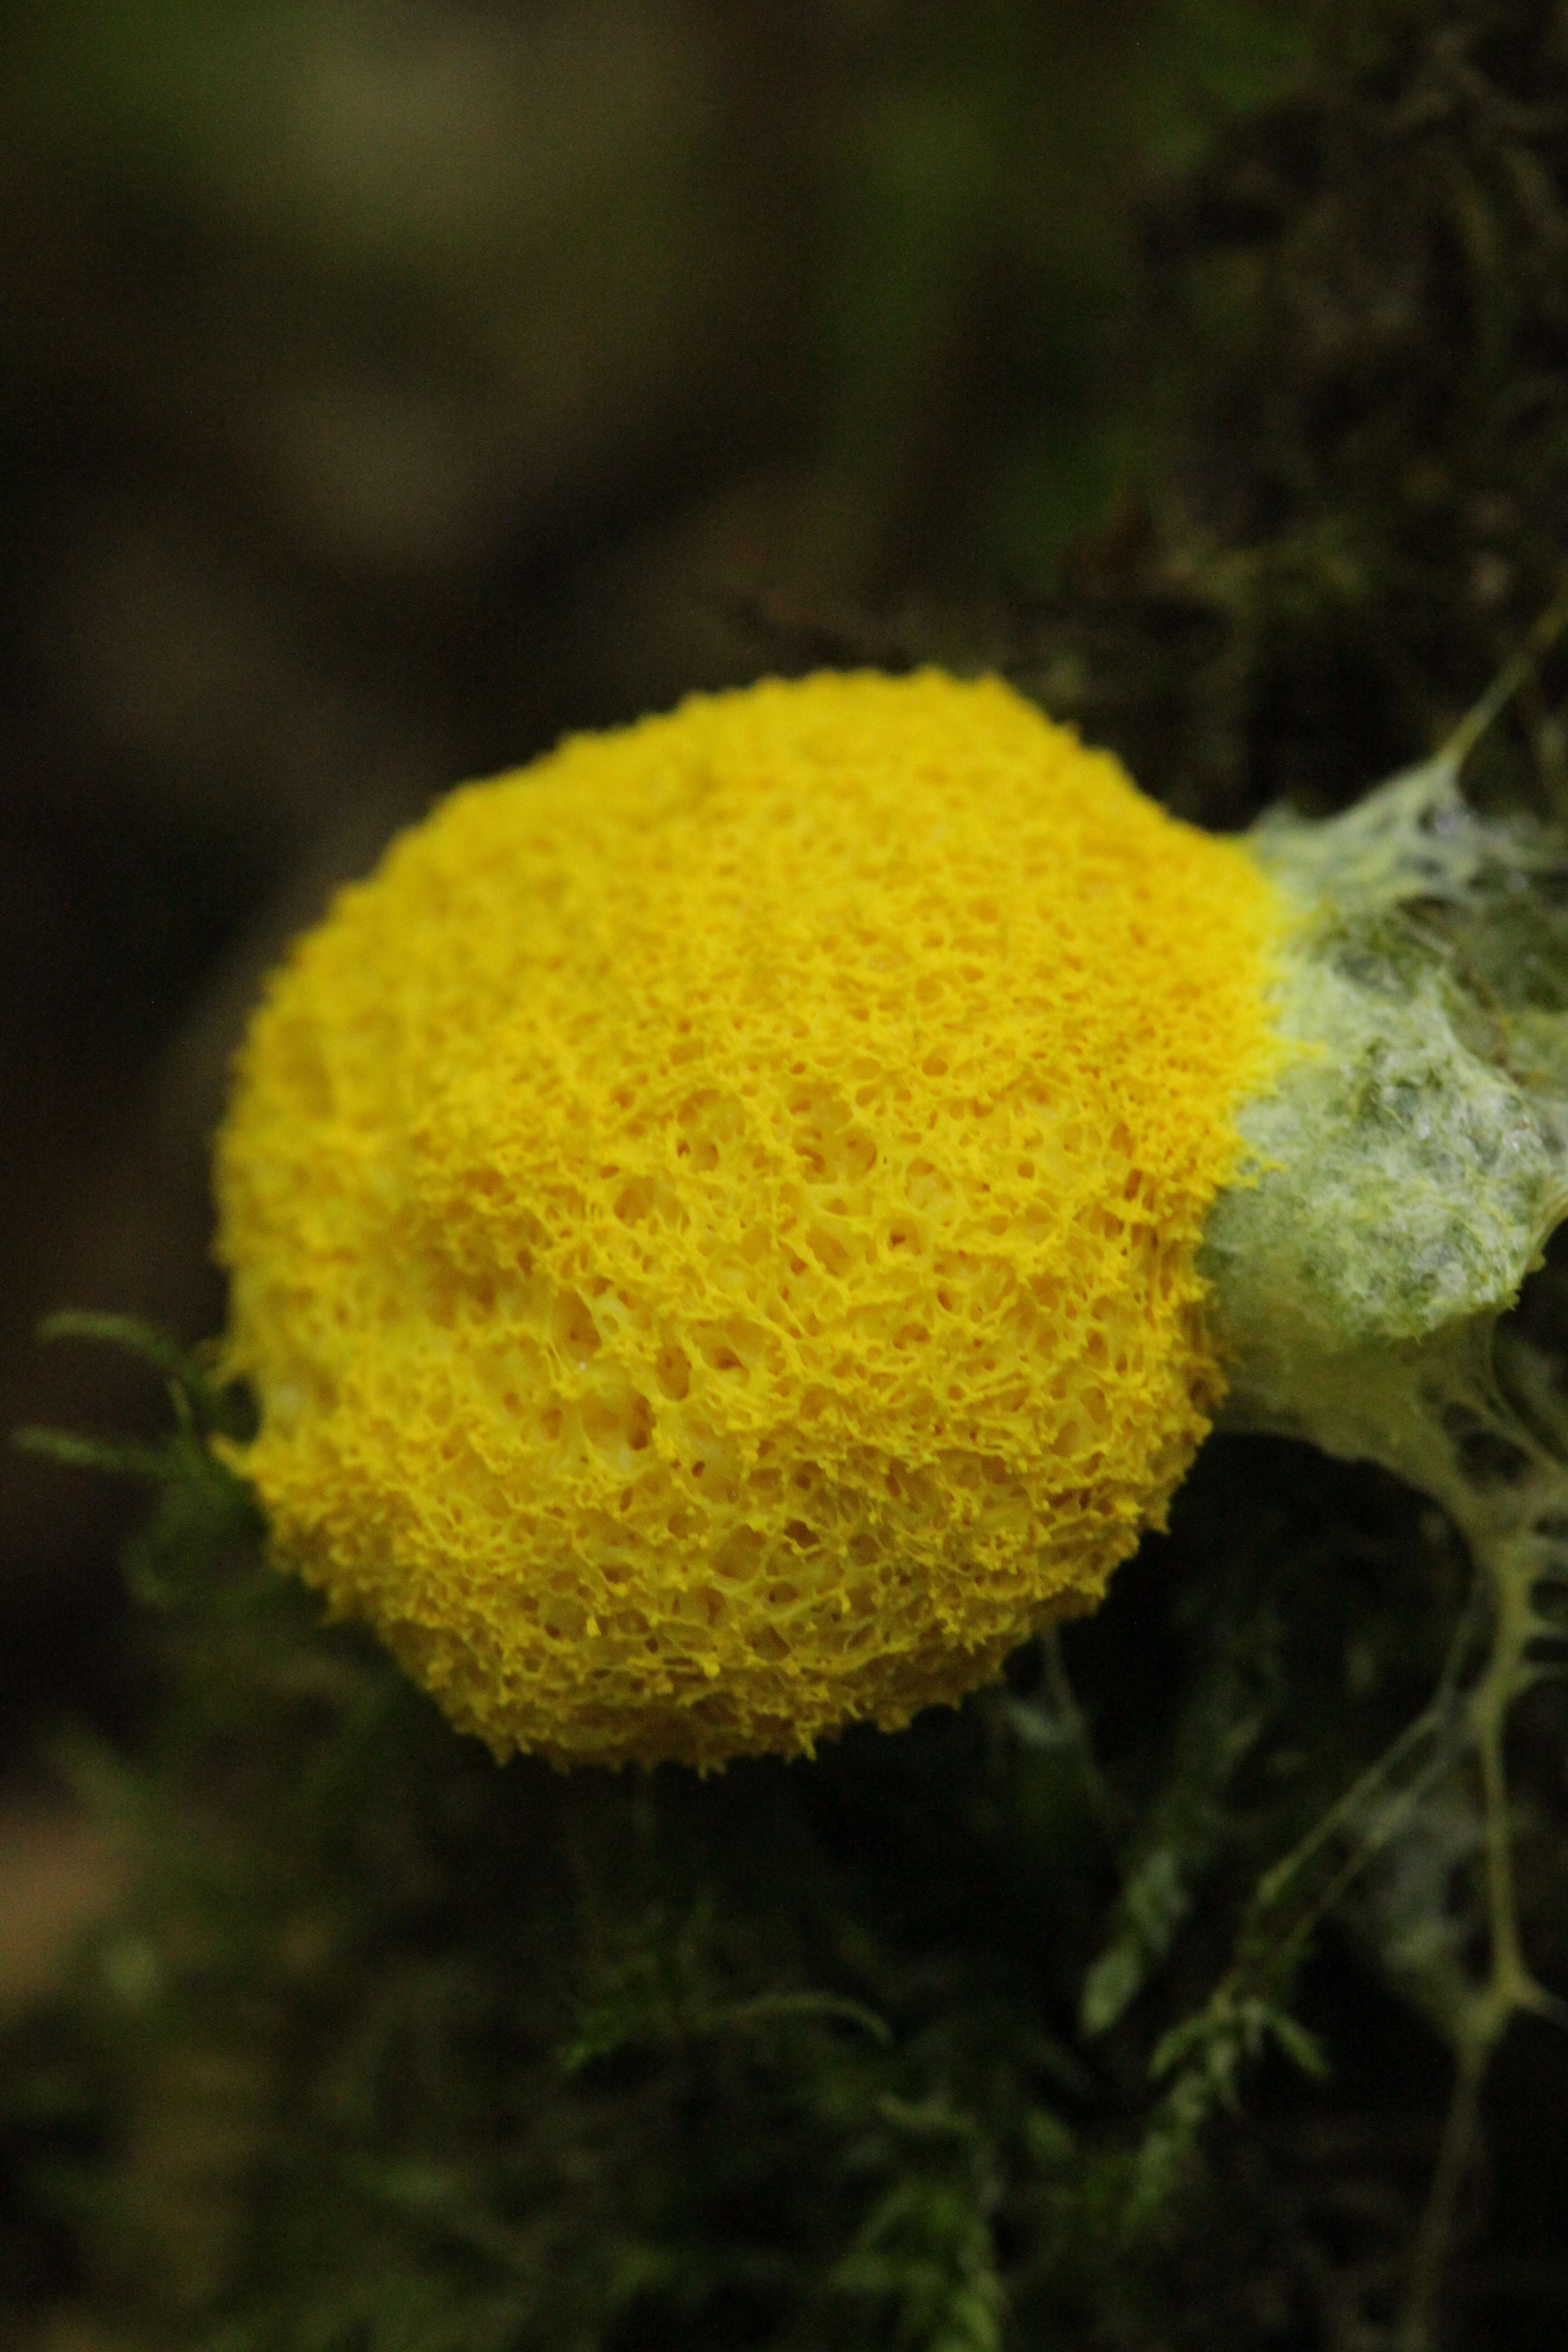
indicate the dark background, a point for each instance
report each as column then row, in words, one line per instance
column 386, row 388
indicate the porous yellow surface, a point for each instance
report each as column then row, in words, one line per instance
column 712, row 1219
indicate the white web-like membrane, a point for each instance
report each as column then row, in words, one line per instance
column 1403, row 1178
column 1410, row 1164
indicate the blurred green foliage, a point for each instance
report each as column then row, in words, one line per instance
column 920, row 2043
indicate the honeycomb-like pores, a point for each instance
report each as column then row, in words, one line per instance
column 712, row 1219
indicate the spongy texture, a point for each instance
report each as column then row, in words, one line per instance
column 713, row 1219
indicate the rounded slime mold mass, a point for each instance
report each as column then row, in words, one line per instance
column 715, row 1219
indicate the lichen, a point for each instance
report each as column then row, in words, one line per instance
column 1411, row 1165
column 1414, row 1156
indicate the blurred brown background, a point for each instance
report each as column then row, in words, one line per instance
column 386, row 388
